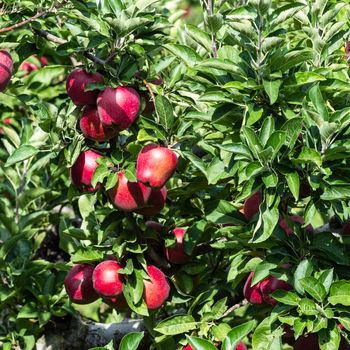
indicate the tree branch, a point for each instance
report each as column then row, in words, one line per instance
column 20, row 24
column 235, row 307
column 55, row 39
column 213, row 35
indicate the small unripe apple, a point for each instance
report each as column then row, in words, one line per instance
column 155, row 202
column 6, row 69
column 83, row 169
column 78, row 284
column 251, row 205
column 118, row 107
column 76, row 83
column 177, row 255
column 157, row 289
column 106, row 279
column 261, row 292
column 155, row 165
column 43, row 60
column 127, row 195
column 93, row 129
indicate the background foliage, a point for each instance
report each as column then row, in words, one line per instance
column 254, row 97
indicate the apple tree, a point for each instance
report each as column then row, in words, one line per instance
column 174, row 175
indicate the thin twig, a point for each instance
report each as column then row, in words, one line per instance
column 235, row 307
column 213, row 35
column 55, row 39
column 20, row 24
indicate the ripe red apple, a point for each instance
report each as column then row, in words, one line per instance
column 270, row 285
column 157, row 289
column 6, row 69
column 177, row 255
column 76, row 83
column 106, row 279
column 155, row 202
column 155, row 165
column 118, row 302
column 260, row 292
column 295, row 218
column 118, row 106
column 83, row 169
column 78, row 284
column 241, row 346
column 251, row 205
column 252, row 293
column 92, row 128
column 127, row 195
column 154, row 225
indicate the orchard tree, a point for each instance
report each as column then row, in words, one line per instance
column 176, row 173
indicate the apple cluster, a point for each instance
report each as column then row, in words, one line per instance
column 86, row 283
column 104, row 114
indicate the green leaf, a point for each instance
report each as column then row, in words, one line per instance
column 309, row 155
column 313, row 287
column 317, row 100
column 340, row 293
column 329, row 338
column 176, row 325
column 185, row 53
column 286, row 297
column 87, row 255
column 200, row 344
column 165, row 112
column 307, row 307
column 237, row 334
column 293, row 182
column 304, row 269
column 272, row 89
column 131, row 341
column 20, row 154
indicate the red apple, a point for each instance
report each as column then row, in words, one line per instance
column 28, row 67
column 106, row 279
column 241, row 346
column 118, row 106
column 6, row 69
column 157, row 289
column 155, row 202
column 252, row 293
column 295, row 218
column 76, row 84
column 83, row 169
column 177, row 255
column 251, row 205
column 127, row 195
column 260, row 292
column 270, row 285
column 155, row 165
column 78, row 284
column 92, row 128
column 43, row 60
